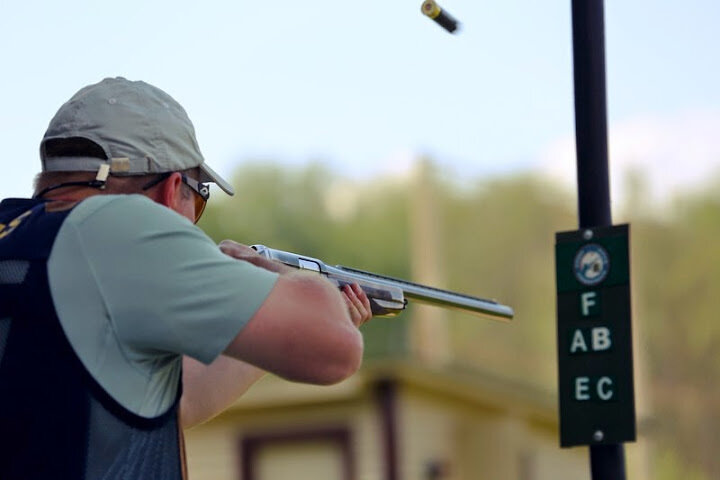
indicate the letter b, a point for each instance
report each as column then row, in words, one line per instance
column 601, row 339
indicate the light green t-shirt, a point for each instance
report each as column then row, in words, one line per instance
column 136, row 286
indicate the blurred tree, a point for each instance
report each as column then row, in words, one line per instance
column 677, row 271
column 499, row 244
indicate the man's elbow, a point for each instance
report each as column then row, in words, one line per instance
column 347, row 362
column 357, row 354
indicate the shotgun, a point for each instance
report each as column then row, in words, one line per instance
column 388, row 296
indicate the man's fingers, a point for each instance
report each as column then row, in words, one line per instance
column 363, row 298
column 350, row 300
column 236, row 250
column 358, row 304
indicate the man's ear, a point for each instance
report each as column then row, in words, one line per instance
column 168, row 192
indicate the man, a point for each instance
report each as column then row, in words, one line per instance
column 120, row 321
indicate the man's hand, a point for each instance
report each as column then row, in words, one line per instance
column 357, row 302
column 247, row 254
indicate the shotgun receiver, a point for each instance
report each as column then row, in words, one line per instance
column 388, row 296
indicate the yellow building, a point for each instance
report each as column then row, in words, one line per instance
column 394, row 420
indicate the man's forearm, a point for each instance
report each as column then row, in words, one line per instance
column 210, row 389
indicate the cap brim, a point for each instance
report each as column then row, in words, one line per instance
column 207, row 174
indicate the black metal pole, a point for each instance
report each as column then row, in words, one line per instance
column 607, row 462
column 590, row 113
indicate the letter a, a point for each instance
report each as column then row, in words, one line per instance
column 578, row 342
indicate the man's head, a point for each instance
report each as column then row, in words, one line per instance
column 129, row 129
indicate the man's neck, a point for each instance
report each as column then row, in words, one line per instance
column 71, row 194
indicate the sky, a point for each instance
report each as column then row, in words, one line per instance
column 369, row 87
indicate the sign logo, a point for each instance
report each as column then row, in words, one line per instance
column 591, row 264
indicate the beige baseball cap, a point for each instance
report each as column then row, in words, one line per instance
column 141, row 129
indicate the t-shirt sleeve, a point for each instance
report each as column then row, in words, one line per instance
column 164, row 285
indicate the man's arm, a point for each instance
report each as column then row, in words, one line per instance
column 306, row 331
column 210, row 389
column 302, row 332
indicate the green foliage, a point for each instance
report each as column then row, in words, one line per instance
column 676, row 279
column 272, row 204
column 499, row 242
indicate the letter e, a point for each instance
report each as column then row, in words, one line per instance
column 581, row 388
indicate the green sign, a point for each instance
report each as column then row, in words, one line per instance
column 594, row 337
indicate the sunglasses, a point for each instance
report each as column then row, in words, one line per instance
column 201, row 190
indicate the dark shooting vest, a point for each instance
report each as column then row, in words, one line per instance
column 56, row 421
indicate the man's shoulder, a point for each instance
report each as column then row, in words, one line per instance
column 116, row 221
column 111, row 206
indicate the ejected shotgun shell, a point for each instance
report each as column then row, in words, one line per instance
column 441, row 17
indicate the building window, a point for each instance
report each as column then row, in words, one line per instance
column 297, row 455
